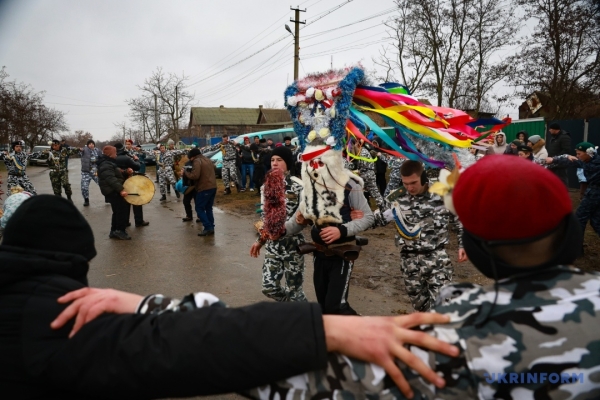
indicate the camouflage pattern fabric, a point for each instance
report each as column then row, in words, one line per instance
column 59, row 180
column 57, row 159
column 589, row 209
column 165, row 177
column 424, row 275
column 229, row 172
column 22, row 181
column 86, row 178
column 395, row 180
column 16, row 168
column 427, row 210
column 282, row 259
column 229, row 150
column 370, row 180
column 165, row 160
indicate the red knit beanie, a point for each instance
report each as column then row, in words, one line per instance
column 509, row 198
column 110, row 151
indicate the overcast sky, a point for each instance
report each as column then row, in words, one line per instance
column 89, row 55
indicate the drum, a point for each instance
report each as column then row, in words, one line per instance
column 140, row 190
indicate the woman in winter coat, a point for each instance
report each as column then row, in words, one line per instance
column 538, row 145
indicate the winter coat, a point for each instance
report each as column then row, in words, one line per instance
column 495, row 149
column 110, row 177
column 203, row 173
column 539, row 150
column 247, row 154
column 559, row 144
column 89, row 158
column 125, row 161
column 133, row 356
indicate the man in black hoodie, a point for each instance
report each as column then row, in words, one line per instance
column 558, row 143
column 174, row 354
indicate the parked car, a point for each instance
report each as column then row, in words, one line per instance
column 42, row 158
column 150, row 157
column 277, row 135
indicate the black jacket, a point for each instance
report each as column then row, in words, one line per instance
column 559, row 144
column 124, row 161
column 200, row 352
column 110, row 177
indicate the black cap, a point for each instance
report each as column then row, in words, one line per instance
column 194, row 152
column 118, row 145
column 286, row 155
column 525, row 148
column 555, row 126
column 59, row 227
column 15, row 143
column 56, row 141
column 263, row 140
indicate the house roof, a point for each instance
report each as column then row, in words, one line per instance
column 273, row 116
column 223, row 116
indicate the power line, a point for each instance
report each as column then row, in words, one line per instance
column 327, row 12
column 343, row 49
column 378, row 14
column 349, row 34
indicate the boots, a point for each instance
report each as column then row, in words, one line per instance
column 86, row 202
column 163, row 198
column 177, row 194
column 237, row 187
column 121, row 235
column 142, row 223
column 227, row 191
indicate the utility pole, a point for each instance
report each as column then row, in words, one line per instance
column 297, row 23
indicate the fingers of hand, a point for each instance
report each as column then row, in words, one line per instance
column 394, row 372
column 65, row 316
column 422, row 339
column 416, row 319
column 76, row 294
column 418, row 365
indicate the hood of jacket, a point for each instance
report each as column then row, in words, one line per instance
column 498, row 149
column 19, row 264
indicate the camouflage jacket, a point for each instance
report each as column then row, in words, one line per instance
column 165, row 160
column 591, row 169
column 542, row 324
column 228, row 149
column 427, row 210
column 16, row 163
column 391, row 161
column 57, row 159
column 363, row 165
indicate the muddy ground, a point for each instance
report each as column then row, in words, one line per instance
column 378, row 267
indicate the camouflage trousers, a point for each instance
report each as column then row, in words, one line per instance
column 282, row 259
column 370, row 180
column 344, row 379
column 589, row 209
column 395, row 181
column 59, row 180
column 86, row 178
column 229, row 172
column 165, row 176
column 22, row 181
column 424, row 275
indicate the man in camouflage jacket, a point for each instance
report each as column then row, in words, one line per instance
column 424, row 263
column 230, row 152
column 59, row 172
column 164, row 159
column 16, row 165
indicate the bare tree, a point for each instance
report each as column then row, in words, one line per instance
column 271, row 104
column 174, row 100
column 24, row 116
column 562, row 57
column 441, row 45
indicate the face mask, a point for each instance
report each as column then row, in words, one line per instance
column 568, row 250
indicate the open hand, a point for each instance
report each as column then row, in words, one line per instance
column 89, row 303
column 255, row 249
column 381, row 340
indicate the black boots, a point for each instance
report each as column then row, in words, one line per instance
column 227, row 191
column 121, row 235
column 86, row 202
column 177, row 194
column 142, row 223
column 163, row 198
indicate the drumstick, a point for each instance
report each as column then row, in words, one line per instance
column 133, row 194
